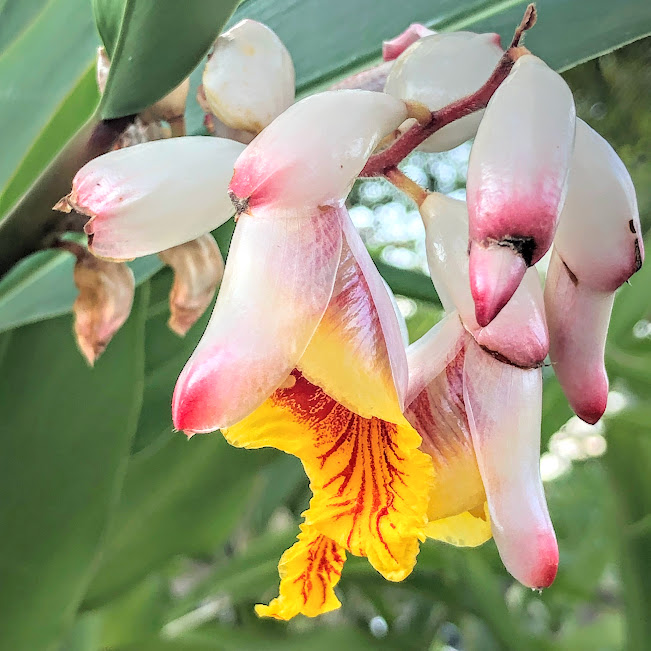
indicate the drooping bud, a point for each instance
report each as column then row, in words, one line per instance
column 504, row 406
column 151, row 197
column 249, row 77
column 198, row 269
column 106, row 291
column 440, row 69
column 519, row 333
column 578, row 318
column 516, row 180
column 394, row 47
column 340, row 127
column 599, row 235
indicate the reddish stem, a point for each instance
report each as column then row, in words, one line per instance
column 378, row 164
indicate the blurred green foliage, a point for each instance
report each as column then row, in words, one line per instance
column 119, row 534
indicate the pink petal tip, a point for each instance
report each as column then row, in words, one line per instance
column 394, row 47
column 495, row 273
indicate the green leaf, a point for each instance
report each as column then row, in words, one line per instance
column 153, row 47
column 568, row 31
column 41, row 287
column 44, row 77
column 66, row 435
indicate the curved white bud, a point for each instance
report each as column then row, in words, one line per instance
column 395, row 46
column 249, row 77
column 599, row 235
column 153, row 196
column 311, row 154
column 516, row 180
column 519, row 332
column 578, row 318
column 440, row 69
column 504, row 406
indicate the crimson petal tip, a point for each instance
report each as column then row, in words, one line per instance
column 495, row 273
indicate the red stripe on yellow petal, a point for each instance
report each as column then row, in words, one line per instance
column 356, row 354
column 309, row 571
column 439, row 415
column 369, row 479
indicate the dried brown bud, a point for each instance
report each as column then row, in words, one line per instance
column 198, row 269
column 102, row 69
column 104, row 302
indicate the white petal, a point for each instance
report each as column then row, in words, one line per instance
column 519, row 332
column 277, row 283
column 599, row 235
column 440, row 69
column 516, row 178
column 504, row 406
column 578, row 318
column 153, row 196
column 311, row 154
column 249, row 77
column 428, row 356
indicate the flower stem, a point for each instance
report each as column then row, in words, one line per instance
column 404, row 183
column 378, row 164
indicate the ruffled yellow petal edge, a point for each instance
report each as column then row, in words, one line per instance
column 370, row 481
column 309, row 571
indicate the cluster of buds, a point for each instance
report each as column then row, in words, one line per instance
column 305, row 348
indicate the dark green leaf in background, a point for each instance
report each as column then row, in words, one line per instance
column 66, row 434
column 153, row 46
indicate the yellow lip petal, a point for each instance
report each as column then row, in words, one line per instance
column 467, row 529
column 309, row 571
column 369, row 479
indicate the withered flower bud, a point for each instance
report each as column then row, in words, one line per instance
column 198, row 269
column 106, row 291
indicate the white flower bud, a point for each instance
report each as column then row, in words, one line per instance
column 249, row 77
column 440, row 69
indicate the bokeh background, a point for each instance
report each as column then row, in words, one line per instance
column 117, row 533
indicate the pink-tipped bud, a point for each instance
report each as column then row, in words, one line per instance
column 517, row 176
column 394, row 47
column 578, row 318
column 106, row 291
column 277, row 171
column 198, row 269
column 249, row 77
column 495, row 273
column 441, row 69
column 599, row 235
column 519, row 333
column 150, row 197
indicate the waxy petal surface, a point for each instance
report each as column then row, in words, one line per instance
column 277, row 284
column 356, row 354
column 504, row 413
column 249, row 77
column 311, row 154
column 519, row 332
column 370, row 483
column 599, row 235
column 440, row 69
column 153, row 196
column 517, row 177
column 309, row 571
column 578, row 318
